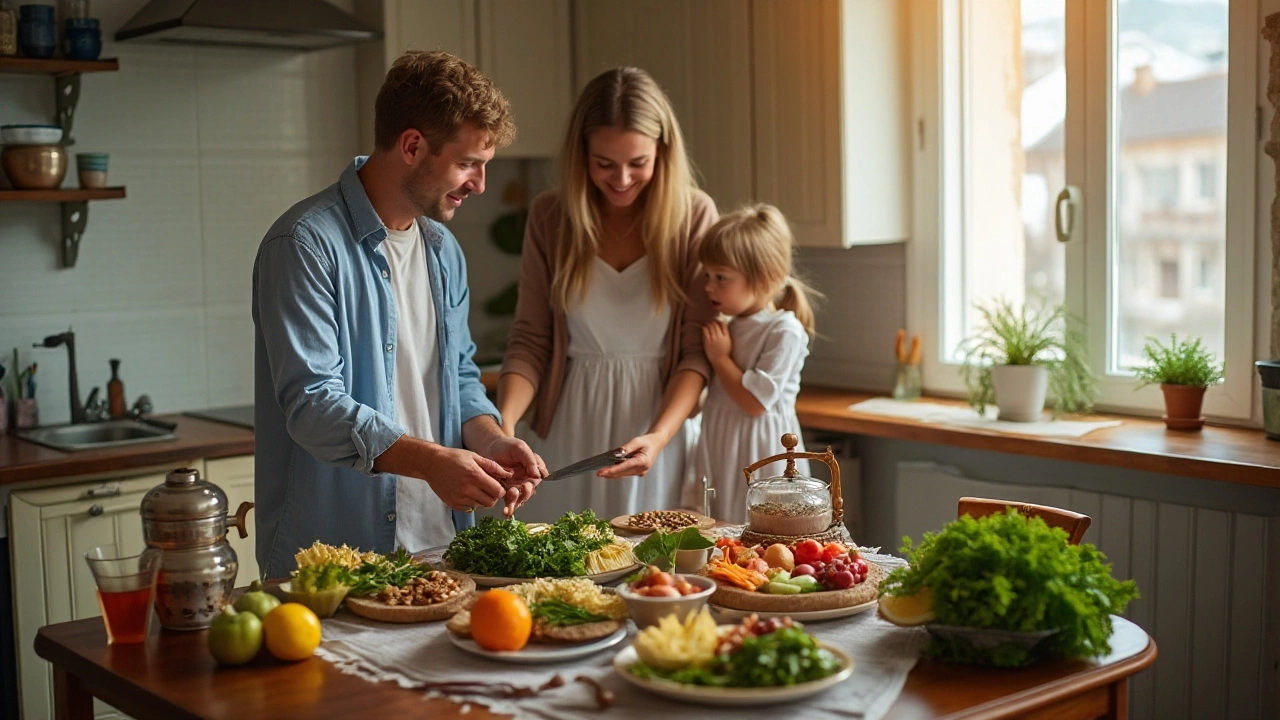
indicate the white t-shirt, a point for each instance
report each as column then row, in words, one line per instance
column 422, row 519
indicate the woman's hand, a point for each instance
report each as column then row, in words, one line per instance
column 641, row 452
column 716, row 341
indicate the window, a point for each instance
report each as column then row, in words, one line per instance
column 1046, row 109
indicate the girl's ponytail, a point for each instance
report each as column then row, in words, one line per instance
column 797, row 296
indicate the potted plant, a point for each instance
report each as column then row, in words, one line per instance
column 1183, row 369
column 1019, row 354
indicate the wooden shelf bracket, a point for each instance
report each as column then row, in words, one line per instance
column 75, row 216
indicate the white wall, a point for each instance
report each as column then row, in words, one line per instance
column 213, row 144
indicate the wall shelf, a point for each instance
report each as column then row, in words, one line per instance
column 66, row 88
column 56, row 66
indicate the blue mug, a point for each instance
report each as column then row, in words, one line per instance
column 83, row 43
column 37, row 35
column 35, row 12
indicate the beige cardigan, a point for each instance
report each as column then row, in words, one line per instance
column 537, row 348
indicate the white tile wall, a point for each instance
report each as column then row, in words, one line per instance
column 213, row 145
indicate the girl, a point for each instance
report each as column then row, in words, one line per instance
column 757, row 356
column 607, row 345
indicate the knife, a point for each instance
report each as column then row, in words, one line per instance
column 591, row 464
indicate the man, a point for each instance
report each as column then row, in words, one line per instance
column 365, row 386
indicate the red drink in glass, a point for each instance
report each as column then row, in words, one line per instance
column 127, row 613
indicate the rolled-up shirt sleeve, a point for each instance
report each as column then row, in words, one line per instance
column 784, row 348
column 297, row 306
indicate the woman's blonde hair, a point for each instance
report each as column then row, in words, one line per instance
column 628, row 99
column 756, row 241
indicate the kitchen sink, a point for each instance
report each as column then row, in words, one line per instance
column 94, row 435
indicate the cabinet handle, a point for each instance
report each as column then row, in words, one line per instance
column 95, row 510
column 1064, row 213
column 111, row 490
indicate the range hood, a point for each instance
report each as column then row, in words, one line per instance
column 285, row 24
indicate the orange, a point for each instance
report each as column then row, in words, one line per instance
column 908, row 609
column 500, row 621
column 292, row 630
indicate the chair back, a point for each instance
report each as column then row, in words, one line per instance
column 1072, row 522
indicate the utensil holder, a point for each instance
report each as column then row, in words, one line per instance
column 906, row 382
column 26, row 414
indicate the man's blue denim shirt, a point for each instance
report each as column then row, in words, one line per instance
column 324, row 373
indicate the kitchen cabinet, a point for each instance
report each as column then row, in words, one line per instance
column 795, row 104
column 523, row 46
column 50, row 529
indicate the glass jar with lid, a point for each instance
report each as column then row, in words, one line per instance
column 793, row 507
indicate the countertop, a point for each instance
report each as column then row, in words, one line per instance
column 23, row 462
column 1227, row 454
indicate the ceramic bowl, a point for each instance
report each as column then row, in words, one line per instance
column 34, row 167
column 646, row 611
column 324, row 603
column 30, row 134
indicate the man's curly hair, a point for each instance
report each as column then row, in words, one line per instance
column 436, row 93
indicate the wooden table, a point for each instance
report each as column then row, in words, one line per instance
column 173, row 676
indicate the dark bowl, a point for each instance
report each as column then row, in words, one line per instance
column 35, row 12
column 81, row 23
column 1270, row 372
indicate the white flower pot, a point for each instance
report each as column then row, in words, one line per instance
column 1020, row 391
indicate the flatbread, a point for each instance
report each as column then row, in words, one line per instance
column 460, row 625
column 375, row 609
column 736, row 598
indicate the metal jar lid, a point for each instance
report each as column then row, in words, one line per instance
column 184, row 496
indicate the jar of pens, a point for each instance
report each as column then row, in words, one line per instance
column 18, row 393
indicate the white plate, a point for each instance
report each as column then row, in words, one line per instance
column 724, row 613
column 599, row 578
column 534, row 653
column 739, row 696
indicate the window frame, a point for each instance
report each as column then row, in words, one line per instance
column 1090, row 156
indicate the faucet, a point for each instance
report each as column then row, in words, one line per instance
column 68, row 338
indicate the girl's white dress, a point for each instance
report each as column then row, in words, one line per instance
column 770, row 347
column 612, row 392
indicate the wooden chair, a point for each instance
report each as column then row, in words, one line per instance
column 1074, row 523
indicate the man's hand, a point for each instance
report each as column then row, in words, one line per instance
column 526, row 467
column 463, row 480
column 716, row 341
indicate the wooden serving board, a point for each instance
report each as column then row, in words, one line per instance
column 622, row 523
column 378, row 610
column 735, row 598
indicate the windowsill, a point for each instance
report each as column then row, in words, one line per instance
column 1238, row 455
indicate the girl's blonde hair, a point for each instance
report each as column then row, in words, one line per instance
column 756, row 241
column 629, row 99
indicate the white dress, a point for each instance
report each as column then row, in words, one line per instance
column 770, row 347
column 612, row 393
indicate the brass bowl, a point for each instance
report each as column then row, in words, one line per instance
column 34, row 167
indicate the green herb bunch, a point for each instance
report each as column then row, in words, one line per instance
column 505, row 548
column 555, row 611
column 1012, row 335
column 788, row 656
column 1181, row 362
column 1007, row 572
column 395, row 569
column 660, row 548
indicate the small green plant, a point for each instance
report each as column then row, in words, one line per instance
column 1019, row 335
column 1181, row 362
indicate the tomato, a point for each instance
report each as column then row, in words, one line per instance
column 808, row 551
column 833, row 550
column 257, row 602
column 235, row 637
column 293, row 631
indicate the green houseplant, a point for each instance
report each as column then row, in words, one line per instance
column 1019, row 354
column 1183, row 369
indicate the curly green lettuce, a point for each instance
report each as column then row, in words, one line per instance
column 1009, row 572
column 505, row 548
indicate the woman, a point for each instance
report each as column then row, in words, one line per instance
column 606, row 345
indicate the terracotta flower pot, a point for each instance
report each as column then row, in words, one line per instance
column 1182, row 407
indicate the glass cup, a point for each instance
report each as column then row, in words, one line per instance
column 126, row 587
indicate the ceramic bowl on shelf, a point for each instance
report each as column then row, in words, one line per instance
column 30, row 134
column 92, row 168
column 34, row 167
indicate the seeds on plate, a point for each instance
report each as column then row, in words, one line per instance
column 433, row 588
column 663, row 520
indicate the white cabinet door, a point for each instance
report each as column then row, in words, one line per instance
column 50, row 530
column 525, row 48
column 235, row 476
column 797, row 111
column 700, row 53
